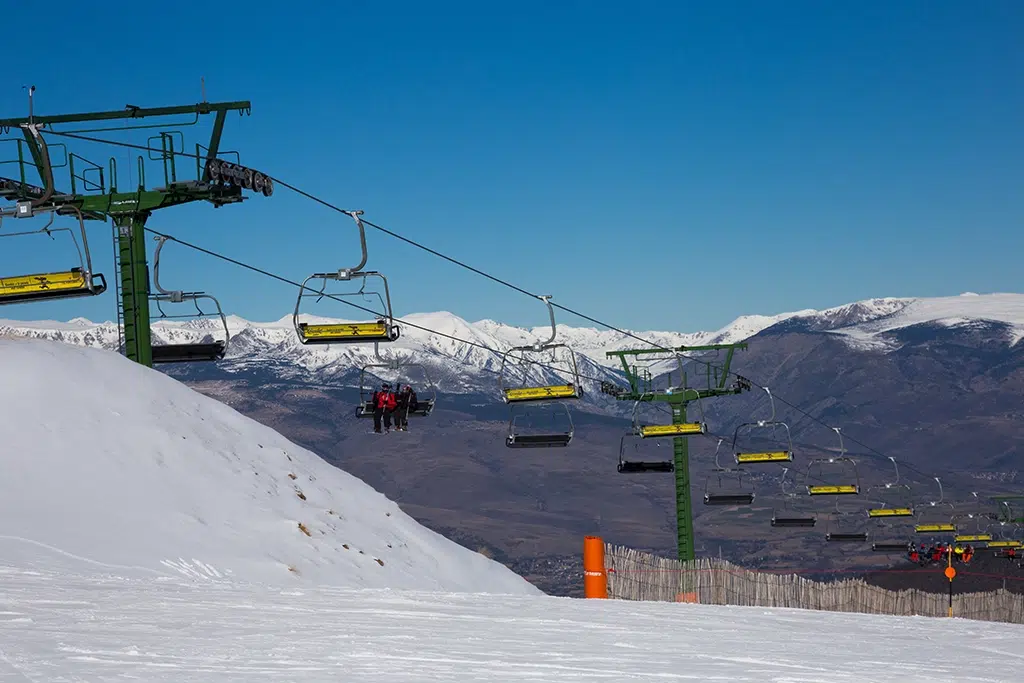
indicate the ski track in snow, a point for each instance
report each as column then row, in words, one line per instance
column 56, row 626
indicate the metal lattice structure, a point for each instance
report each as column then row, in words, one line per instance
column 642, row 389
column 95, row 194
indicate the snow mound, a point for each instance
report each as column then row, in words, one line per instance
column 113, row 463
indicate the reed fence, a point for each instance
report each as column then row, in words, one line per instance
column 636, row 575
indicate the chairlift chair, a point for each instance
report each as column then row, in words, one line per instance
column 904, row 506
column 974, row 527
column 185, row 353
column 383, row 329
column 518, row 438
column 1006, row 536
column 891, row 508
column 759, row 457
column 534, row 397
column 536, row 392
column 77, row 281
column 641, row 466
column 726, row 496
column 843, row 489
column 790, row 517
column 423, row 407
column 1011, row 536
column 936, row 517
column 834, row 532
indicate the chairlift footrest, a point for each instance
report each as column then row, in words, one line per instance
column 793, row 522
column 728, row 498
column 890, row 547
column 640, row 466
column 538, row 440
column 188, row 353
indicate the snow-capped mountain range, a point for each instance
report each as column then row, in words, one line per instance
column 460, row 367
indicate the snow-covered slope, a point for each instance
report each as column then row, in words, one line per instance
column 63, row 626
column 106, row 460
column 947, row 311
column 453, row 362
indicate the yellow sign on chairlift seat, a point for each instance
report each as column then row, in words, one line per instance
column 842, row 489
column 891, row 512
column 935, row 528
column 344, row 331
column 541, row 393
column 768, row 456
column 683, row 429
column 1005, row 544
column 973, row 538
column 63, row 281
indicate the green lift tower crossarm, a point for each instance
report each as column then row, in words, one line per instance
column 641, row 389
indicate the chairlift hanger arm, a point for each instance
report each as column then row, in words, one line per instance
column 174, row 353
column 540, row 346
column 349, row 273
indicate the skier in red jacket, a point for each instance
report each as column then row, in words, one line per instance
column 383, row 406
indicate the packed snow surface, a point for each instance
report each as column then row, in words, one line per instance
column 60, row 624
column 110, row 462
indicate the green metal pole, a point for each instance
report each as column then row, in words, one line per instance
column 684, row 501
column 131, row 244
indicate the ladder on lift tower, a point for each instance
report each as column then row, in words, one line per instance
column 118, row 290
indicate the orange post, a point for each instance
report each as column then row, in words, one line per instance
column 595, row 580
column 950, row 574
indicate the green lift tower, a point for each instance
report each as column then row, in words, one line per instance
column 642, row 389
column 95, row 194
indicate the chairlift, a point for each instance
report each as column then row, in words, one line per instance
column 835, row 489
column 518, row 437
column 383, row 329
column 834, row 532
column 936, row 516
column 1007, row 540
column 790, row 517
column 537, row 396
column 538, row 392
column 641, row 466
column 759, row 457
column 973, row 527
column 669, row 430
column 423, row 407
column 726, row 495
column 77, row 281
column 185, row 353
column 904, row 505
column 893, row 508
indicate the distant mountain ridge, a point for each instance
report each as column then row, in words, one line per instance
column 869, row 324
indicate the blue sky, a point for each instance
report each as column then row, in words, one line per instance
column 658, row 165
